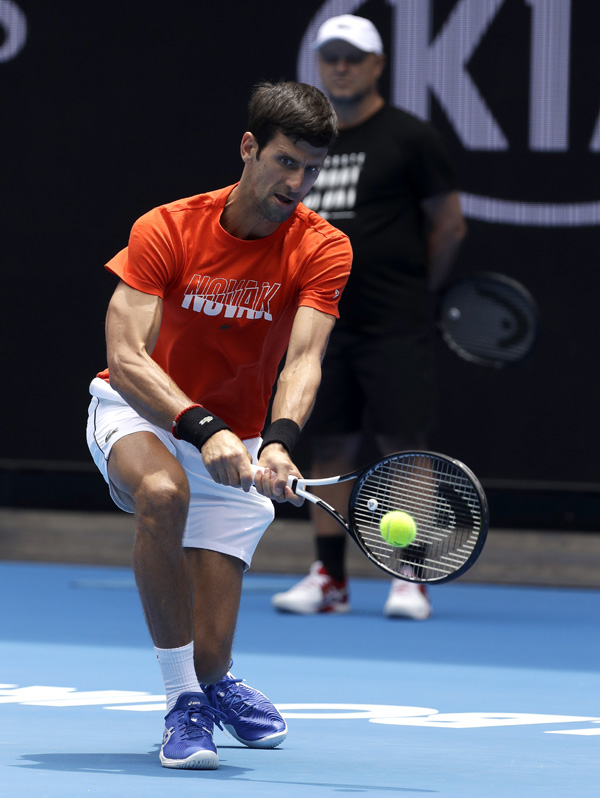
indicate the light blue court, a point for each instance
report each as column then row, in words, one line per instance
column 498, row 695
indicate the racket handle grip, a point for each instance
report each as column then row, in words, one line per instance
column 291, row 482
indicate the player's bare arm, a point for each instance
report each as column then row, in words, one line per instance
column 446, row 230
column 295, row 397
column 132, row 327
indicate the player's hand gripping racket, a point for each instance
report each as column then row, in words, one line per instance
column 488, row 319
column 442, row 495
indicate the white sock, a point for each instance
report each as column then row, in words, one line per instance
column 178, row 672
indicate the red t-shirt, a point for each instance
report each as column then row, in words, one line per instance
column 229, row 304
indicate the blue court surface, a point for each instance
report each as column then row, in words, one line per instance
column 497, row 695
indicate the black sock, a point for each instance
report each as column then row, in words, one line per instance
column 330, row 551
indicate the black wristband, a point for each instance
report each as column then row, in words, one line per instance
column 283, row 431
column 196, row 425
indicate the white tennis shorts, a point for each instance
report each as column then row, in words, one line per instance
column 220, row 518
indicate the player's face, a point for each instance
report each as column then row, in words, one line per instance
column 347, row 73
column 282, row 174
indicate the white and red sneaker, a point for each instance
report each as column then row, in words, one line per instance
column 407, row 600
column 317, row 592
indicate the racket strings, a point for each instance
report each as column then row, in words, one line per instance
column 442, row 500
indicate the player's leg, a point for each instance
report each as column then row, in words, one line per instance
column 217, row 582
column 141, row 469
column 147, row 475
column 244, row 711
column 223, row 529
column 138, row 461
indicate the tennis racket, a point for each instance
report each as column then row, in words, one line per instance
column 488, row 319
column 442, row 495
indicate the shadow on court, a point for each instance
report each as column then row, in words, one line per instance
column 122, row 765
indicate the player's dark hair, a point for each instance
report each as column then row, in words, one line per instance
column 299, row 111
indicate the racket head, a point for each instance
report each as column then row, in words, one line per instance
column 488, row 319
column 447, row 503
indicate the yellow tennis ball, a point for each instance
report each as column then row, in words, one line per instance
column 398, row 528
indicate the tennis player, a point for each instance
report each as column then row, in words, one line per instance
column 213, row 289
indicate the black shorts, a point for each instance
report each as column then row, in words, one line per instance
column 387, row 381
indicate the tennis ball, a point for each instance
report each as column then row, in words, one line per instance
column 398, row 528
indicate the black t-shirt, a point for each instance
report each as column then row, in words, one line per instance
column 371, row 187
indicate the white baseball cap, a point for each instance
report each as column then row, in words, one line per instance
column 358, row 31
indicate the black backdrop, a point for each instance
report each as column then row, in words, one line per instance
column 109, row 108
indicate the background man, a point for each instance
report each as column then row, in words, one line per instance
column 388, row 184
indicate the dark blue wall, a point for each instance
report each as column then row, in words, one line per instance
column 110, row 108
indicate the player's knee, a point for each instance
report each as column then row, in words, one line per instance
column 162, row 499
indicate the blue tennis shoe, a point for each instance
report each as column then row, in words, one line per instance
column 246, row 713
column 187, row 740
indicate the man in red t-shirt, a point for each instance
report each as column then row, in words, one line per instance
column 214, row 289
